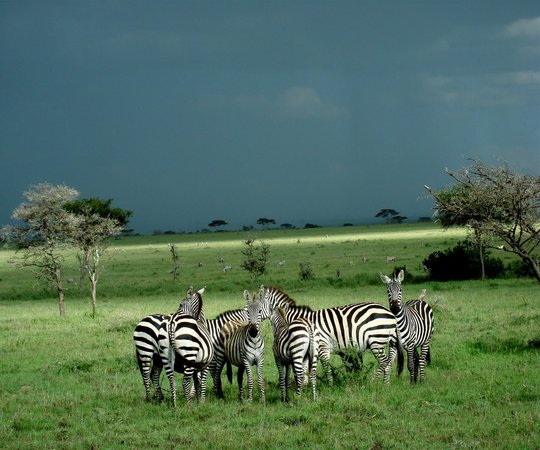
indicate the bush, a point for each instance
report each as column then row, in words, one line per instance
column 306, row 272
column 461, row 262
column 519, row 269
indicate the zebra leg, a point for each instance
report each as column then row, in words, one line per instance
column 145, row 367
column 155, row 374
column 260, row 379
column 381, row 357
column 391, row 358
column 218, row 363
column 204, row 376
column 281, row 372
column 424, row 351
column 249, row 375
column 299, row 376
column 313, row 376
column 186, row 384
column 411, row 363
column 172, row 382
column 240, row 378
column 287, row 381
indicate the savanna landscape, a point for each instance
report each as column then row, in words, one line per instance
column 73, row 382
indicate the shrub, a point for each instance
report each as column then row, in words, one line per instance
column 256, row 257
column 461, row 262
column 306, row 272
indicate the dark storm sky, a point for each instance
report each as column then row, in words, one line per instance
column 304, row 111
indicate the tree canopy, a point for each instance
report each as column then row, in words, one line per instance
column 495, row 202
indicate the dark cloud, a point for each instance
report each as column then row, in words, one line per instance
column 303, row 111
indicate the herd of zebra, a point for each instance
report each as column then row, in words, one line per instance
column 188, row 343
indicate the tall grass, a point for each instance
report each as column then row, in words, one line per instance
column 72, row 382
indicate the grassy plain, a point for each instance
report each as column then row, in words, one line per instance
column 72, row 382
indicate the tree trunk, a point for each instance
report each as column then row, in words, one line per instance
column 93, row 281
column 480, row 253
column 60, row 290
column 533, row 264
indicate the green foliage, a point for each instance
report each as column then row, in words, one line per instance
column 461, row 262
column 256, row 257
column 306, row 271
column 103, row 208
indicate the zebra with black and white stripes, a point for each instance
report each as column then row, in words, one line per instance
column 243, row 346
column 361, row 326
column 146, row 337
column 415, row 325
column 214, row 328
column 296, row 345
column 180, row 342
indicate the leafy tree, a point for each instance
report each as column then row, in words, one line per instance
column 265, row 222
column 90, row 235
column 46, row 230
column 91, row 211
column 102, row 208
column 256, row 257
column 495, row 202
column 217, row 223
column 387, row 214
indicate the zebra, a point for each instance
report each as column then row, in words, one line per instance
column 296, row 344
column 153, row 337
column 243, row 346
column 361, row 325
column 415, row 325
column 146, row 336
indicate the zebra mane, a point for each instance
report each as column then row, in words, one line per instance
column 230, row 311
column 283, row 295
column 287, row 299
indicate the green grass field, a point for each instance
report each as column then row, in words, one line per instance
column 73, row 382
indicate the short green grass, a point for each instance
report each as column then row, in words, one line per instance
column 72, row 382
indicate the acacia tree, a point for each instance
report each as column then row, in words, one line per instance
column 91, row 235
column 388, row 214
column 44, row 233
column 93, row 230
column 495, row 202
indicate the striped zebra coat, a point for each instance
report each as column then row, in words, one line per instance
column 243, row 346
column 361, row 326
column 415, row 325
column 296, row 345
column 152, row 338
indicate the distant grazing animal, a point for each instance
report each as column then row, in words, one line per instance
column 390, row 259
column 415, row 325
column 362, row 326
column 243, row 346
column 296, row 345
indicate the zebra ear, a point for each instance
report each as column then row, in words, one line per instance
column 385, row 279
column 190, row 291
column 401, row 275
column 201, row 291
column 247, row 296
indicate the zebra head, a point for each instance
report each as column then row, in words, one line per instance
column 395, row 293
column 253, row 310
column 192, row 304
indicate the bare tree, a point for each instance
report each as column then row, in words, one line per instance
column 175, row 261
column 91, row 237
column 495, row 202
column 44, row 234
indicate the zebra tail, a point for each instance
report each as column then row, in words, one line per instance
column 229, row 372
column 400, row 359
